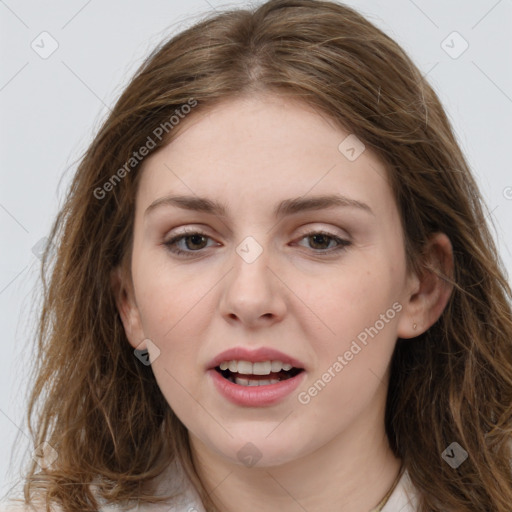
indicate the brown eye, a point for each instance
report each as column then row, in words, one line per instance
column 195, row 241
column 187, row 244
column 324, row 243
column 320, row 241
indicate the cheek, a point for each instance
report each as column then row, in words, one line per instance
column 169, row 295
column 359, row 312
column 340, row 306
column 174, row 312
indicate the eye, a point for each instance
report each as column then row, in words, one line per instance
column 190, row 242
column 324, row 242
column 187, row 243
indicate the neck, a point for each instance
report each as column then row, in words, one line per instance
column 354, row 470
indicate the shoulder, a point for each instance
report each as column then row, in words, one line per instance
column 172, row 481
column 18, row 506
column 404, row 497
column 189, row 504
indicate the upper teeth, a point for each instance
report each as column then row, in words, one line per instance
column 261, row 368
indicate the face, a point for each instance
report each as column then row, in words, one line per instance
column 299, row 272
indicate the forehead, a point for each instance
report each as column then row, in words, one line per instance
column 263, row 148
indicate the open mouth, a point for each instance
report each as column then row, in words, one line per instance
column 256, row 379
column 245, row 378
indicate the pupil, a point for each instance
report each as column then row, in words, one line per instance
column 323, row 240
column 196, row 240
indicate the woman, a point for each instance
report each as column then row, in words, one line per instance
column 275, row 287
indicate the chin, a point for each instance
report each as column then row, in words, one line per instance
column 258, row 450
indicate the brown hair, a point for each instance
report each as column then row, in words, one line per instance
column 102, row 410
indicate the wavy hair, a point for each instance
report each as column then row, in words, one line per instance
column 103, row 412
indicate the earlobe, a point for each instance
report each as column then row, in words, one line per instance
column 122, row 289
column 430, row 292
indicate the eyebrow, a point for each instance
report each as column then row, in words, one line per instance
column 284, row 208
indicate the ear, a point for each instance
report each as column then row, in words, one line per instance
column 430, row 291
column 124, row 295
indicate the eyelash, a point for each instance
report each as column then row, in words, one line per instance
column 170, row 244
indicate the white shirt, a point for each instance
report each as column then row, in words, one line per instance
column 403, row 498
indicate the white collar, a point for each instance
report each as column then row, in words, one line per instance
column 402, row 499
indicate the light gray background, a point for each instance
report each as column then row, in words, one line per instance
column 50, row 108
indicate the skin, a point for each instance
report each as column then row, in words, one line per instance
column 251, row 153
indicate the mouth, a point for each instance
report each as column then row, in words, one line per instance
column 262, row 373
column 259, row 377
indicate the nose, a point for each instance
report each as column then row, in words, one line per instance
column 253, row 293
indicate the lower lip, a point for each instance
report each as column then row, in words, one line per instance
column 255, row 396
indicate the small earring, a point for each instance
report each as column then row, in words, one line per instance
column 414, row 325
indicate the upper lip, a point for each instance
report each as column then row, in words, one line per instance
column 254, row 356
